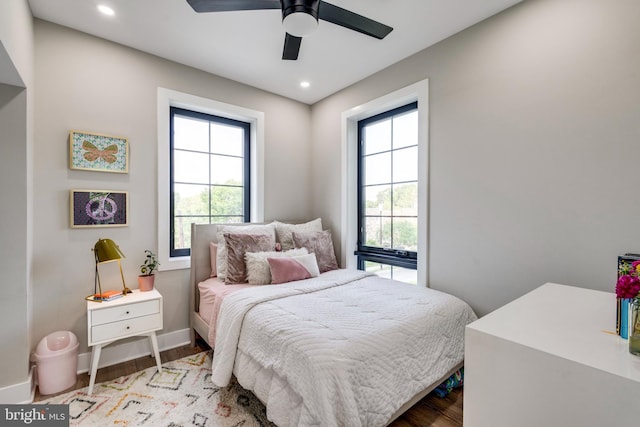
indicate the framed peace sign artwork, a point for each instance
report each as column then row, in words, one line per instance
column 99, row 208
column 97, row 152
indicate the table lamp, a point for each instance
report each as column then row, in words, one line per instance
column 104, row 251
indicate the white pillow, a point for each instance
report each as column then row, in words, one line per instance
column 309, row 262
column 284, row 230
column 268, row 229
column 258, row 271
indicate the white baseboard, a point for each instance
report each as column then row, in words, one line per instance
column 21, row 393
column 125, row 350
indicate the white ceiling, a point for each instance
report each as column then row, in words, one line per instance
column 246, row 46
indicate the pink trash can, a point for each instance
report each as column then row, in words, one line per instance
column 56, row 360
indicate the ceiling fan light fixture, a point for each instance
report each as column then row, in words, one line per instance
column 300, row 24
column 300, row 17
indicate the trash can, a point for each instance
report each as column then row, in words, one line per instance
column 56, row 360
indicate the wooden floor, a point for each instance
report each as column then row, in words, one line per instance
column 430, row 411
column 434, row 411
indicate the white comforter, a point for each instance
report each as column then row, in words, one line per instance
column 351, row 348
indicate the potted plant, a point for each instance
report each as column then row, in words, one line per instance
column 146, row 278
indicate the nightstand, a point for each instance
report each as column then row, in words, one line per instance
column 135, row 314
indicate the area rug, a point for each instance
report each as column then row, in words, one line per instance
column 181, row 395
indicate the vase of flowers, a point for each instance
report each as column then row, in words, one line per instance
column 634, row 325
column 628, row 293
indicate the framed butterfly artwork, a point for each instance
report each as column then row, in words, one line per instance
column 97, row 152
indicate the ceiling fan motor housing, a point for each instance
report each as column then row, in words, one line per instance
column 305, row 6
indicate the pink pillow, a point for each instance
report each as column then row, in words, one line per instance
column 287, row 270
column 213, row 251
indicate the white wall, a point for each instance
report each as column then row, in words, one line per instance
column 534, row 127
column 16, row 95
column 16, row 36
column 89, row 84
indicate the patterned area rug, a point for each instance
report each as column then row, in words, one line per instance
column 182, row 395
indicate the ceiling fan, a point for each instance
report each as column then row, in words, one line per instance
column 299, row 18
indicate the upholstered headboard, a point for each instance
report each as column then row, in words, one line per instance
column 201, row 235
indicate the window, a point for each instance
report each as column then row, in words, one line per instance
column 416, row 92
column 210, row 173
column 253, row 172
column 388, row 193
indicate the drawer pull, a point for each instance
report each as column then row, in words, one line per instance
column 128, row 327
column 127, row 312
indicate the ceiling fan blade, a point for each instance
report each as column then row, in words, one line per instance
column 229, row 5
column 353, row 21
column 291, row 47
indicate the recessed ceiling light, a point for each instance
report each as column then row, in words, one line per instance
column 305, row 84
column 106, row 10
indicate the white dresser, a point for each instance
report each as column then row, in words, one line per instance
column 550, row 359
column 137, row 313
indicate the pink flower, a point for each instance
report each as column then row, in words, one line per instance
column 628, row 286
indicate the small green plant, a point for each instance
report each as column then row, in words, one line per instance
column 150, row 263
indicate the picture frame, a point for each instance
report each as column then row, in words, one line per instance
column 98, row 152
column 99, row 208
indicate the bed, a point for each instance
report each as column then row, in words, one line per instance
column 342, row 348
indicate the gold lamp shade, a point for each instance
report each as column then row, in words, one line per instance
column 106, row 250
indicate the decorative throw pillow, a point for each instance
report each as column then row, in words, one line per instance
column 320, row 244
column 213, row 251
column 237, row 246
column 284, row 230
column 309, row 262
column 257, row 266
column 287, row 270
column 221, row 259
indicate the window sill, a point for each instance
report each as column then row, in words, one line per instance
column 176, row 263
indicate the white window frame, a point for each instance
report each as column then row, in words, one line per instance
column 349, row 213
column 170, row 98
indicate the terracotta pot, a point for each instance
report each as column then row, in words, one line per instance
column 145, row 283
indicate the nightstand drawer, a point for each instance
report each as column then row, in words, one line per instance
column 125, row 328
column 122, row 312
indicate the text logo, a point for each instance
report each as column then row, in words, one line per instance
column 34, row 415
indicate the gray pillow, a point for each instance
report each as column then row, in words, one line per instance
column 237, row 246
column 320, row 244
column 284, row 230
column 221, row 256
